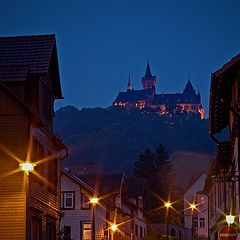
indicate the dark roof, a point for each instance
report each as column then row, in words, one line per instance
column 220, row 95
column 148, row 75
column 34, row 51
column 132, row 96
column 175, row 98
column 221, row 162
column 13, row 72
column 135, row 187
column 228, row 65
column 104, row 184
column 189, row 88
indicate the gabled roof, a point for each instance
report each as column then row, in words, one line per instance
column 135, row 187
column 175, row 98
column 37, row 52
column 13, row 72
column 220, row 95
column 34, row 51
column 132, row 96
column 104, row 184
column 189, row 88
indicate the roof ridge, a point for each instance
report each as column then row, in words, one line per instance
column 29, row 36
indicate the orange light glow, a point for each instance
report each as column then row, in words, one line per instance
column 27, row 167
column 94, row 200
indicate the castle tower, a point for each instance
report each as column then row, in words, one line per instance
column 149, row 81
column 129, row 86
column 189, row 90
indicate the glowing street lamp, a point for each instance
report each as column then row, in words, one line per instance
column 94, row 200
column 167, row 205
column 27, row 167
column 230, row 219
column 114, row 227
column 193, row 206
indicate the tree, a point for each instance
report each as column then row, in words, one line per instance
column 157, row 171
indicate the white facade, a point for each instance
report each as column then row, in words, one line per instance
column 77, row 220
column 196, row 220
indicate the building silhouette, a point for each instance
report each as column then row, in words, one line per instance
column 165, row 103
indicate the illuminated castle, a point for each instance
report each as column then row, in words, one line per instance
column 187, row 101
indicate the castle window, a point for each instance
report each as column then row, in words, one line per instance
column 186, row 107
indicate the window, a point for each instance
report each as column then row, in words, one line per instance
column 141, row 232
column 36, row 227
column 195, row 222
column 202, row 222
column 67, row 233
column 84, row 201
column 51, row 229
column 136, row 230
column 67, row 200
column 86, row 231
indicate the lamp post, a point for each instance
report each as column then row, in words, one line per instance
column 93, row 201
column 208, row 211
column 113, row 229
column 167, row 205
column 27, row 167
column 193, row 207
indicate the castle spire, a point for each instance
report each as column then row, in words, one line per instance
column 149, row 81
column 189, row 88
column 148, row 73
column 129, row 86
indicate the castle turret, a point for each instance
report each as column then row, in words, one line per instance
column 189, row 90
column 129, row 86
column 149, row 81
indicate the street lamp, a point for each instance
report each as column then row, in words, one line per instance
column 94, row 200
column 167, row 205
column 27, row 167
column 113, row 228
column 230, row 219
column 193, row 207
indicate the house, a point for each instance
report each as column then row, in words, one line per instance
column 80, row 218
column 222, row 184
column 171, row 103
column 196, row 218
column 121, row 205
column 135, row 191
column 29, row 85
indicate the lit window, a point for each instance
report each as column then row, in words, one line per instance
column 202, row 222
column 86, row 231
column 67, row 200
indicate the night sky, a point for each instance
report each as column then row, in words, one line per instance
column 100, row 42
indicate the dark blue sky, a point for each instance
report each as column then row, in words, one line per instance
column 101, row 41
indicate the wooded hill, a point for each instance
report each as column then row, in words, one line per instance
column 114, row 137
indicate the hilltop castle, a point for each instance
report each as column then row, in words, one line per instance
column 168, row 103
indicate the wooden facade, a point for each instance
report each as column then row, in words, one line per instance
column 222, row 184
column 29, row 84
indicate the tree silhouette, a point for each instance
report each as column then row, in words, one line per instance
column 157, row 171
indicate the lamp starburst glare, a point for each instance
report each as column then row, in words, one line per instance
column 27, row 167
column 230, row 219
column 113, row 227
